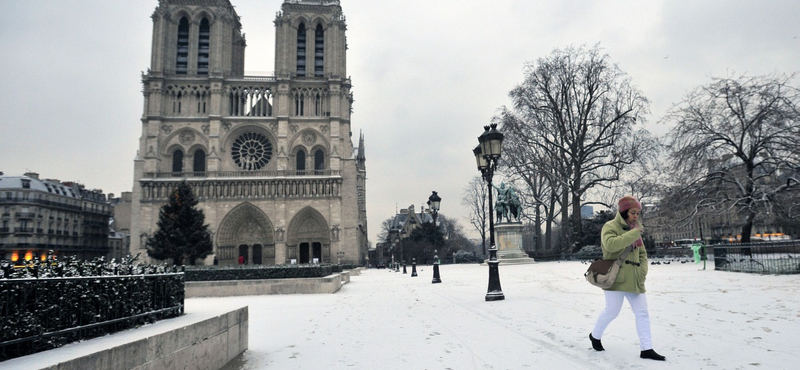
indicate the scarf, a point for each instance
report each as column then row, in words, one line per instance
column 638, row 242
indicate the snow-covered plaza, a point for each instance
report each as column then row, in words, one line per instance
column 701, row 319
column 385, row 320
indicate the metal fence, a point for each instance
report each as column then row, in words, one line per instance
column 762, row 258
column 44, row 313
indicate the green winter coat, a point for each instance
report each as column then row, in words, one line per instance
column 615, row 237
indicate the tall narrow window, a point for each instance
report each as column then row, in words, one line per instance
column 299, row 104
column 300, row 162
column 319, row 51
column 199, row 161
column 301, row 50
column 203, row 47
column 319, row 162
column 182, row 60
column 177, row 161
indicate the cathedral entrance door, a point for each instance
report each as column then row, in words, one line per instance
column 317, row 250
column 243, row 252
column 304, row 253
column 257, row 254
column 247, row 230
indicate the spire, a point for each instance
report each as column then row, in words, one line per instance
column 360, row 154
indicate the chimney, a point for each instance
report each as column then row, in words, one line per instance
column 32, row 175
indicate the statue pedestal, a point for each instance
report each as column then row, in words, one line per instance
column 508, row 239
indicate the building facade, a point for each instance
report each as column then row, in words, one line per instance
column 39, row 216
column 270, row 158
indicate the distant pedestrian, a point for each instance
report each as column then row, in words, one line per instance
column 241, row 260
column 216, row 261
column 623, row 231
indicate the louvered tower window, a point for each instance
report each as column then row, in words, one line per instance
column 182, row 60
column 301, row 50
column 319, row 51
column 203, row 47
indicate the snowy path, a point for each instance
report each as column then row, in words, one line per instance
column 385, row 320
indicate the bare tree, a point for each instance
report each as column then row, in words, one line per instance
column 736, row 146
column 476, row 200
column 526, row 165
column 453, row 234
column 386, row 227
column 580, row 110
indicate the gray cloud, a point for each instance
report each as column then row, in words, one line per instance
column 427, row 76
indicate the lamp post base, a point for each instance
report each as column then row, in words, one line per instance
column 495, row 292
column 436, row 278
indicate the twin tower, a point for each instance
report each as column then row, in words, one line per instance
column 270, row 158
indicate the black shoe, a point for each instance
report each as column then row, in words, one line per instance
column 596, row 343
column 651, row 355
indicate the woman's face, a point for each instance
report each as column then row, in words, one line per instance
column 633, row 214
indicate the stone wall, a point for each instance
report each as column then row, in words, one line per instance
column 205, row 345
column 328, row 284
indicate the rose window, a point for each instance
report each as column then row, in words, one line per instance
column 251, row 151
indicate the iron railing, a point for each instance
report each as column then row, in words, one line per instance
column 38, row 314
column 762, row 258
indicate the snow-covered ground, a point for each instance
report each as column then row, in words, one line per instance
column 386, row 320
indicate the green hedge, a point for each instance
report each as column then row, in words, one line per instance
column 258, row 272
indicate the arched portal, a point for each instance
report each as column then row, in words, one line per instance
column 308, row 237
column 247, row 232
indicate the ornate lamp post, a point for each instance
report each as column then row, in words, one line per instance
column 487, row 153
column 433, row 203
column 403, row 249
column 340, row 255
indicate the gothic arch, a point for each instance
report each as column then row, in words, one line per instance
column 248, row 232
column 187, row 138
column 317, row 21
column 179, row 13
column 300, row 20
column 308, row 237
column 203, row 13
column 308, row 138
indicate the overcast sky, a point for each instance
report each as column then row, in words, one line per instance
column 427, row 75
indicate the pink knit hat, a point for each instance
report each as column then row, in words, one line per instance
column 627, row 202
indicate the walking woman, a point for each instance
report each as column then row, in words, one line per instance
column 618, row 234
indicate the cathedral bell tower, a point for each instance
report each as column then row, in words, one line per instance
column 270, row 158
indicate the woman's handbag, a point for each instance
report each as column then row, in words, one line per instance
column 603, row 273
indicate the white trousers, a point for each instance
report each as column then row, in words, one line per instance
column 638, row 302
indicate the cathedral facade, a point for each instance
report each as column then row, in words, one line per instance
column 270, row 158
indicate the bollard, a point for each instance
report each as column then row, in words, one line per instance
column 436, row 278
column 404, row 267
column 413, row 267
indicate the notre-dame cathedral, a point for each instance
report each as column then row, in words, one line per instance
column 270, row 158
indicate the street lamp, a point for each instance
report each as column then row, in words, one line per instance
column 433, row 203
column 403, row 248
column 340, row 255
column 487, row 153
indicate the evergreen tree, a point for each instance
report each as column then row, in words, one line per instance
column 182, row 234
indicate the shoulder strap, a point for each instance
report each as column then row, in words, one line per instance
column 624, row 254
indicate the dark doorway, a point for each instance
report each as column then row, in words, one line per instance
column 304, row 253
column 243, row 253
column 257, row 254
column 317, row 251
